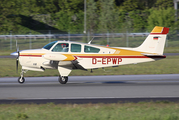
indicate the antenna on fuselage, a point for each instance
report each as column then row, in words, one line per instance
column 90, row 41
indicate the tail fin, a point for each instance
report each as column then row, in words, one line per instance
column 155, row 41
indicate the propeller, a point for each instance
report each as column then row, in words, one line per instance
column 17, row 58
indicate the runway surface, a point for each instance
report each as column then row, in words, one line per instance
column 91, row 87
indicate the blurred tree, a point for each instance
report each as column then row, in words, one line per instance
column 8, row 15
column 70, row 16
column 108, row 16
column 133, row 14
column 92, row 15
column 62, row 20
column 130, row 5
column 51, row 6
column 139, row 20
column 161, row 17
column 71, row 5
column 139, row 4
column 163, row 3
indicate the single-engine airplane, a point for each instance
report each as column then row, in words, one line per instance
column 68, row 55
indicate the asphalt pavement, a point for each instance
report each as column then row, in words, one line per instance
column 91, row 88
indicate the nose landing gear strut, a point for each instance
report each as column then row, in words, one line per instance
column 21, row 79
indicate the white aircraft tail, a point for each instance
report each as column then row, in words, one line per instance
column 155, row 41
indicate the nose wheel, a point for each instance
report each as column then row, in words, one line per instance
column 63, row 79
column 21, row 80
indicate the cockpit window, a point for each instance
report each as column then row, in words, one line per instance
column 89, row 49
column 48, row 46
column 61, row 47
column 75, row 48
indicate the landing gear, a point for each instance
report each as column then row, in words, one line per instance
column 63, row 79
column 21, row 79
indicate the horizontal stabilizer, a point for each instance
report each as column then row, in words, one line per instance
column 153, row 55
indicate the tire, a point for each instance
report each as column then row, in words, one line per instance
column 63, row 79
column 21, row 80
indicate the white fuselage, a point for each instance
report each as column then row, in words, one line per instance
column 101, row 56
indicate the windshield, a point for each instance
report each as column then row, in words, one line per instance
column 48, row 46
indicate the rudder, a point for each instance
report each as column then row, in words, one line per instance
column 155, row 41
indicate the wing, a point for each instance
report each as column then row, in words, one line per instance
column 64, row 60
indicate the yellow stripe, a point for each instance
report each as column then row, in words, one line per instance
column 157, row 29
column 117, row 52
column 129, row 52
column 69, row 57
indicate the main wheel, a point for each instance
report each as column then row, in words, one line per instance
column 21, row 80
column 63, row 79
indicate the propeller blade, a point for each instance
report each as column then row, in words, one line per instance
column 17, row 63
column 17, row 47
column 17, row 59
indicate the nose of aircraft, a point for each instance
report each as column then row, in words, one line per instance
column 14, row 54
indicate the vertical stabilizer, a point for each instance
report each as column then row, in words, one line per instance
column 155, row 41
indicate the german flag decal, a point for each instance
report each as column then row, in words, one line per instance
column 155, row 38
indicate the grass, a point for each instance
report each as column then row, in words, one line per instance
column 169, row 65
column 118, row 111
column 171, row 50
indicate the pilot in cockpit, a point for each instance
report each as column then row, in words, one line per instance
column 65, row 47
